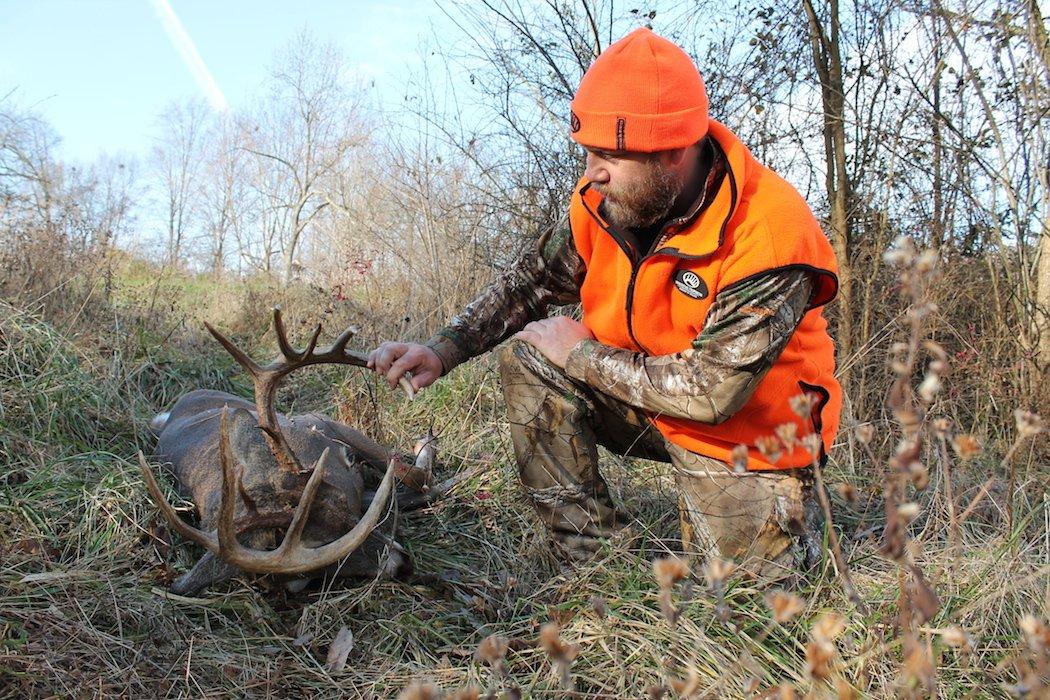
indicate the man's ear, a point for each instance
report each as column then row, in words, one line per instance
column 675, row 158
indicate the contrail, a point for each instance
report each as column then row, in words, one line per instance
column 188, row 51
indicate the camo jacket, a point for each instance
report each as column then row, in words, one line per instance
column 746, row 329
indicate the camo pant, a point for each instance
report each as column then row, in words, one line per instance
column 769, row 523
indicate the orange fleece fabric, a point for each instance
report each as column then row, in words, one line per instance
column 756, row 223
column 642, row 93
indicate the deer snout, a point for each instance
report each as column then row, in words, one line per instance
column 159, row 421
column 398, row 564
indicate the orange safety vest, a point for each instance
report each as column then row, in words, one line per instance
column 756, row 223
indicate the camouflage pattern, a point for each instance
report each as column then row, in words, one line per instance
column 602, row 397
column 768, row 522
column 746, row 330
column 548, row 276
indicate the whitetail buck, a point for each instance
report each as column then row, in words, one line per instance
column 240, row 465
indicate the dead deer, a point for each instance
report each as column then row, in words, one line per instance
column 240, row 465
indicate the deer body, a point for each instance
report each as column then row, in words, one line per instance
column 242, row 465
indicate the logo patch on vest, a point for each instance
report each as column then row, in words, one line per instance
column 574, row 122
column 690, row 284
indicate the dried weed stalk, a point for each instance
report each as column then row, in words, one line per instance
column 561, row 654
column 669, row 571
column 917, row 600
column 493, row 652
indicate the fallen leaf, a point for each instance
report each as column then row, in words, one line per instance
column 340, row 649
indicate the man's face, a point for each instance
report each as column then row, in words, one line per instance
column 639, row 189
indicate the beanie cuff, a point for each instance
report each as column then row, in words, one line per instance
column 646, row 133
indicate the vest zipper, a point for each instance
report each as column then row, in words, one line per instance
column 630, row 303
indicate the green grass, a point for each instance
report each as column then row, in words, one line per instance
column 85, row 558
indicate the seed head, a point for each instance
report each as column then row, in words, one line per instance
column 686, row 687
column 930, row 387
column 956, row 637
column 788, row 435
column 716, row 571
column 784, row 605
column 1028, row 424
column 848, row 492
column 1036, row 633
column 864, row 432
column 740, row 457
column 813, row 444
column 551, row 642
column 420, row 691
column 941, row 426
column 818, row 659
column 901, row 253
column 669, row 571
column 926, row 262
column 909, row 511
column 770, row 448
column 802, row 404
column 919, row 475
column 966, row 446
column 827, row 627
column 492, row 650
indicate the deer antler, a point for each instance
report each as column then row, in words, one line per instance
column 266, row 378
column 291, row 556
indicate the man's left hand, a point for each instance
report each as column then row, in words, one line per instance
column 555, row 337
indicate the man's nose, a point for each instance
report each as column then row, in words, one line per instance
column 596, row 170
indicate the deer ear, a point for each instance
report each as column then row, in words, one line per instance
column 244, row 430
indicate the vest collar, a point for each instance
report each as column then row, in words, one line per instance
column 694, row 235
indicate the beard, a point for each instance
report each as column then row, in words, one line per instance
column 644, row 203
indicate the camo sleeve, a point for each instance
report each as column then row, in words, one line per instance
column 747, row 328
column 549, row 275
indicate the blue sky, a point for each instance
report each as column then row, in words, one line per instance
column 100, row 71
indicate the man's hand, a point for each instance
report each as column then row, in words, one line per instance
column 394, row 359
column 555, row 337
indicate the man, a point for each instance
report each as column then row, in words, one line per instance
column 701, row 274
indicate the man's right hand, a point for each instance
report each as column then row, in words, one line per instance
column 392, row 360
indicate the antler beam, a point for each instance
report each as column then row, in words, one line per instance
column 266, row 378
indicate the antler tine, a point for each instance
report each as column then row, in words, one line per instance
column 228, row 544
column 239, row 355
column 293, row 536
column 287, row 350
column 307, row 559
column 291, row 556
column 339, row 346
column 191, row 533
column 312, row 345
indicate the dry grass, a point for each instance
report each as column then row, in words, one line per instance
column 84, row 557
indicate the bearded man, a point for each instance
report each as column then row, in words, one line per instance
column 701, row 275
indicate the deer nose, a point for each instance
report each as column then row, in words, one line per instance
column 398, row 563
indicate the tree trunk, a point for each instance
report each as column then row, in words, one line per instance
column 827, row 60
column 1041, row 315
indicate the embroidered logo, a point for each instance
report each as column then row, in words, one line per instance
column 574, row 122
column 690, row 284
column 621, row 127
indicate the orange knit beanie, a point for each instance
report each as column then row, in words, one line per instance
column 643, row 93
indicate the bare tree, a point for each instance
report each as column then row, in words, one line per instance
column 303, row 132
column 178, row 158
column 223, row 191
column 825, row 38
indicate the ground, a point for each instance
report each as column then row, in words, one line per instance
column 85, row 560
